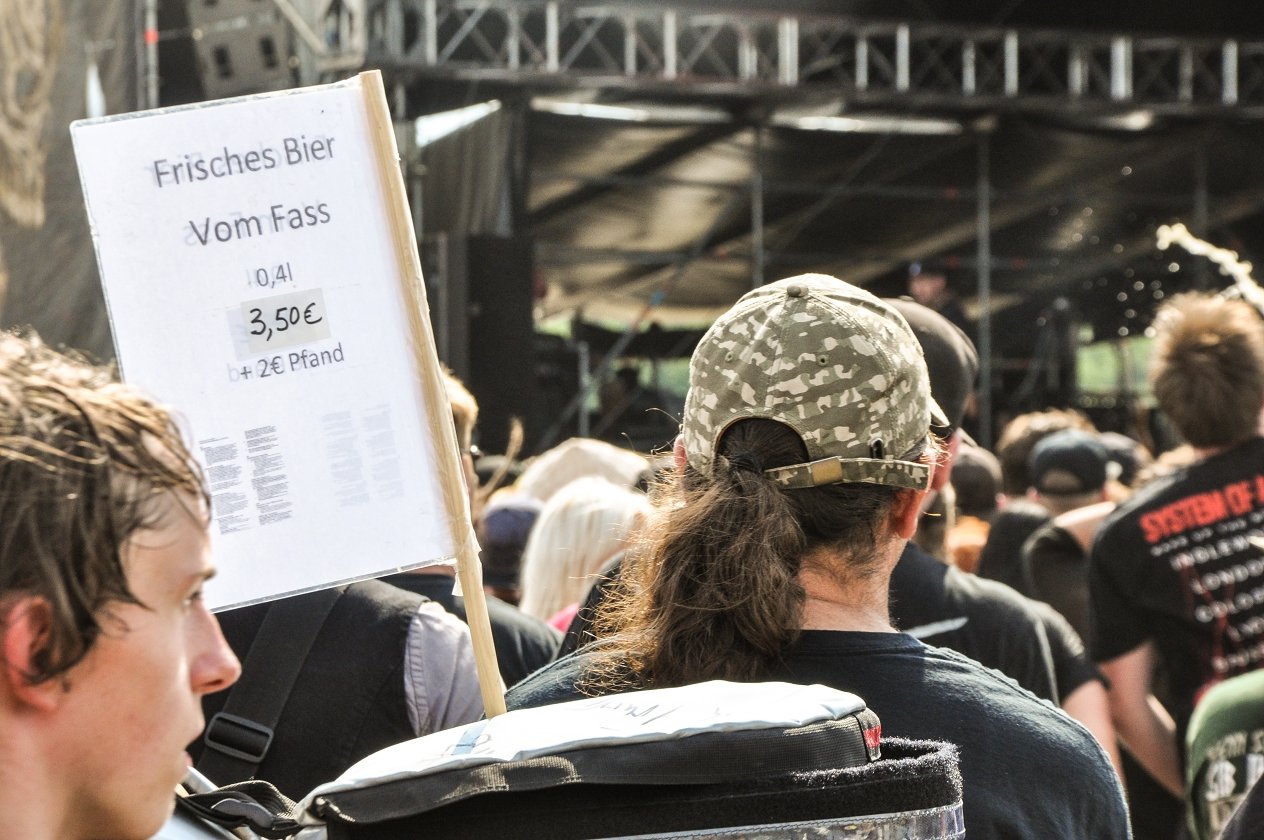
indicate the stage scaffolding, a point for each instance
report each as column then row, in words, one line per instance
column 667, row 52
column 871, row 63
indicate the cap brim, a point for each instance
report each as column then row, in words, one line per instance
column 937, row 416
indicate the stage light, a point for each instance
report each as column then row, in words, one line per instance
column 870, row 124
column 434, row 127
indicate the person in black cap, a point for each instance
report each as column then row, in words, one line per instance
column 983, row 619
column 1069, row 471
column 934, row 601
column 953, row 365
column 1020, row 516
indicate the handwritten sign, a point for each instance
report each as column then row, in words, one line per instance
column 256, row 279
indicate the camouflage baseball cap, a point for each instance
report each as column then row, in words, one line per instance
column 833, row 362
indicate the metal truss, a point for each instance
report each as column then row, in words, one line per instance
column 331, row 34
column 760, row 53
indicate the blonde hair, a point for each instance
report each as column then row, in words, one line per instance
column 85, row 463
column 464, row 408
column 579, row 457
column 582, row 526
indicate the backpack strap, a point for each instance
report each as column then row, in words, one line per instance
column 247, row 809
column 238, row 737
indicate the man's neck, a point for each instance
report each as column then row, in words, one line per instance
column 1204, row 452
column 35, row 805
column 839, row 598
column 824, row 614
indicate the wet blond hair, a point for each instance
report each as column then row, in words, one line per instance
column 85, row 462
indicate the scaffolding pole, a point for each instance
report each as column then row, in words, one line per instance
column 984, row 257
column 759, row 259
column 1202, row 280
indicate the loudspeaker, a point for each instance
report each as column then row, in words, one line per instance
column 480, row 290
column 211, row 49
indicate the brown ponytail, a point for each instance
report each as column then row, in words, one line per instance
column 713, row 591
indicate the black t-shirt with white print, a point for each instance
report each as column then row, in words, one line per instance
column 1175, row 565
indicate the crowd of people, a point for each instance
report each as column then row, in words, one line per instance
column 1082, row 619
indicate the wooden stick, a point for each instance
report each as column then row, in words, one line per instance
column 438, row 414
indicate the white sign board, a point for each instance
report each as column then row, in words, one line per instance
column 257, row 281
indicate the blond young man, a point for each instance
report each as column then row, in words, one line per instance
column 105, row 644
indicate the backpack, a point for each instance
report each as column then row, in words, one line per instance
column 714, row 759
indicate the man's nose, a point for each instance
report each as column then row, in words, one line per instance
column 216, row 667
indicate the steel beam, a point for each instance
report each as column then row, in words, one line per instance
column 752, row 53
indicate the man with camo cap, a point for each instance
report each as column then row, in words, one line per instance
column 805, row 451
column 839, row 367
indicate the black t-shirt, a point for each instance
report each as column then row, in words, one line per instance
column 1001, row 557
column 944, row 606
column 1071, row 663
column 523, row 643
column 985, row 620
column 1055, row 570
column 1174, row 565
column 580, row 632
column 1028, row 769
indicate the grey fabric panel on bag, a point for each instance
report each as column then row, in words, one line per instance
column 913, row 778
column 707, row 758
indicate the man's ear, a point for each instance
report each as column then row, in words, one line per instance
column 905, row 512
column 678, row 453
column 25, row 632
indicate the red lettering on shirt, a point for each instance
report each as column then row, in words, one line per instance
column 1238, row 497
column 1194, row 511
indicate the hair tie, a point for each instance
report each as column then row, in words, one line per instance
column 747, row 462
